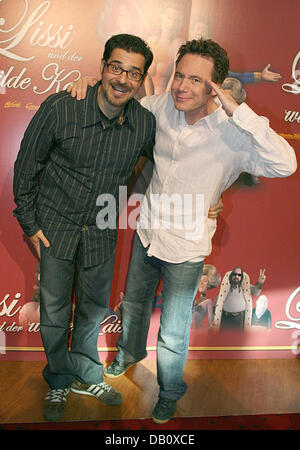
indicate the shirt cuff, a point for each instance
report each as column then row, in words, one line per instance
column 257, row 77
column 243, row 114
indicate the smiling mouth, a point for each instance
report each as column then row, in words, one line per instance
column 120, row 89
column 181, row 99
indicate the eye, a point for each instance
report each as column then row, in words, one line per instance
column 195, row 80
column 179, row 76
column 115, row 68
column 134, row 75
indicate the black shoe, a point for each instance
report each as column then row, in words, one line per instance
column 164, row 410
column 115, row 370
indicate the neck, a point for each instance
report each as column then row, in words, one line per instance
column 107, row 108
column 191, row 117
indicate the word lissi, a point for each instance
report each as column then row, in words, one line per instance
column 30, row 29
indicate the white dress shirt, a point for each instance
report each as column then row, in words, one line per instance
column 202, row 160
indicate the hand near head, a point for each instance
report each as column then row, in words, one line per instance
column 79, row 88
column 225, row 96
column 262, row 276
column 36, row 238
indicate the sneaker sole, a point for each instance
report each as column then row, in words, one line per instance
column 52, row 418
column 78, row 391
column 110, row 375
column 161, row 421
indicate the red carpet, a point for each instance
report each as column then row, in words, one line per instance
column 261, row 422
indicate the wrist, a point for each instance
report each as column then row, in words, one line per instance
column 257, row 77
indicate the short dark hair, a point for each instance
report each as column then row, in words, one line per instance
column 208, row 49
column 130, row 43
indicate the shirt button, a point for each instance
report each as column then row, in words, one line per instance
column 84, row 228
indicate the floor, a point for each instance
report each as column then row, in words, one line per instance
column 215, row 388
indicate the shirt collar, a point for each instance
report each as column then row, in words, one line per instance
column 212, row 120
column 92, row 114
column 215, row 118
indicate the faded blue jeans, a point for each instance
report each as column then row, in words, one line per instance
column 180, row 283
column 92, row 293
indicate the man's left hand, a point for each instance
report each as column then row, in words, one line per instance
column 214, row 211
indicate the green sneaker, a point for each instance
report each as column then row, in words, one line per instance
column 164, row 410
column 55, row 403
column 102, row 391
column 115, row 370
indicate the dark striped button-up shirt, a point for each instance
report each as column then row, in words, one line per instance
column 70, row 154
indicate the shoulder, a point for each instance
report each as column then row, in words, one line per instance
column 60, row 99
column 156, row 103
column 141, row 110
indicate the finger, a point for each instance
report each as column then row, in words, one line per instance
column 84, row 86
column 38, row 249
column 76, row 91
column 213, row 85
column 45, row 242
column 41, row 237
column 79, row 90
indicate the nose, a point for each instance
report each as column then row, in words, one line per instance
column 183, row 84
column 123, row 77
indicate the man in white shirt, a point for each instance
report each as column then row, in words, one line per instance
column 201, row 148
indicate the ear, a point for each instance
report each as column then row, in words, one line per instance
column 144, row 78
column 102, row 65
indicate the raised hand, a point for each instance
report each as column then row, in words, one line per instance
column 79, row 88
column 225, row 96
column 262, row 276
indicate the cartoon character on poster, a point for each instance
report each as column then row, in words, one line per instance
column 203, row 305
column 234, row 304
column 172, row 19
column 261, row 316
column 203, row 20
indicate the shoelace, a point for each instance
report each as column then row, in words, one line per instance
column 98, row 389
column 57, row 395
column 104, row 386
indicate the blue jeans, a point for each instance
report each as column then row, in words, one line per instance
column 92, row 292
column 180, row 283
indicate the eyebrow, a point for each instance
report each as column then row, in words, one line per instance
column 115, row 61
column 189, row 76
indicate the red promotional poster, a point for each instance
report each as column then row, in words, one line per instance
column 45, row 46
